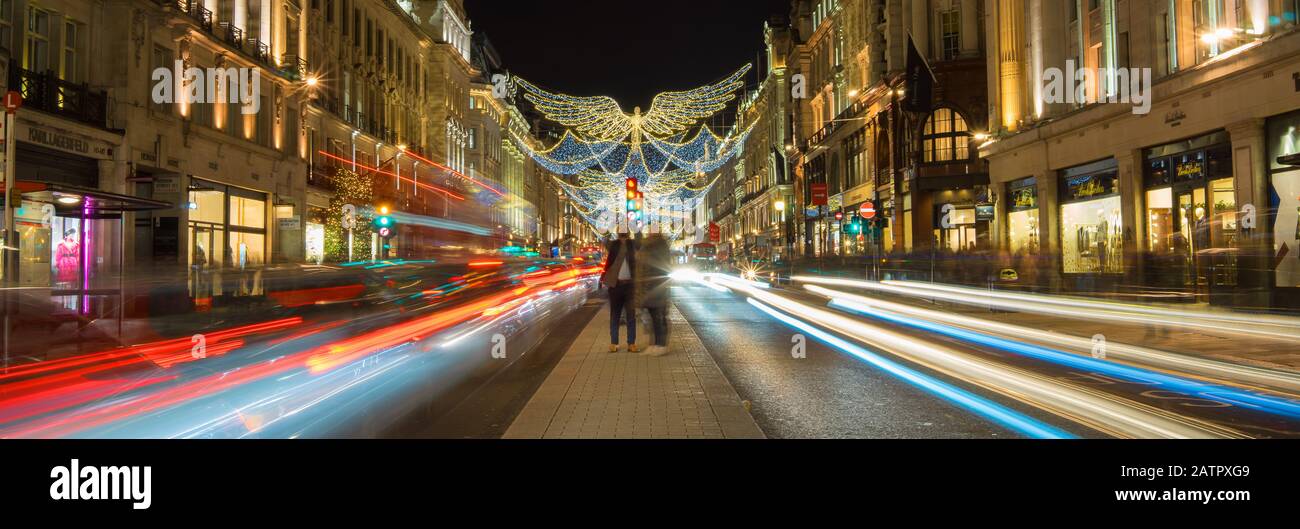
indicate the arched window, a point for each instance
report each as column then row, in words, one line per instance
column 946, row 137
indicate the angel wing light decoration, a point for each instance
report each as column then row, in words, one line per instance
column 663, row 149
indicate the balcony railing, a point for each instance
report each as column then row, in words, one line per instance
column 232, row 34
column 293, row 66
column 195, row 9
column 322, row 174
column 47, row 93
column 258, row 49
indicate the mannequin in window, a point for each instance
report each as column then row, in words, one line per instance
column 67, row 257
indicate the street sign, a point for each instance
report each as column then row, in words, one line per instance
column 868, row 210
column 819, row 195
column 13, row 100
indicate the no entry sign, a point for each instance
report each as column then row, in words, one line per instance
column 867, row 211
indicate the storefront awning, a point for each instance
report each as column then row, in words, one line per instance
column 70, row 196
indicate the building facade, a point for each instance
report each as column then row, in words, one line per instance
column 1179, row 189
column 180, row 154
column 881, row 171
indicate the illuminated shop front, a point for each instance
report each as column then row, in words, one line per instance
column 315, row 234
column 968, row 215
column 70, row 240
column 1192, row 214
column 1022, row 215
column 1091, row 222
column 227, row 226
column 1283, row 154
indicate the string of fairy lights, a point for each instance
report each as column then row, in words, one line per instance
column 667, row 150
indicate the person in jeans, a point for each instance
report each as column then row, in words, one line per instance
column 655, row 263
column 620, row 278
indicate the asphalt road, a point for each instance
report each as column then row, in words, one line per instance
column 483, row 404
column 828, row 394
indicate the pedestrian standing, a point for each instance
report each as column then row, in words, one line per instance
column 620, row 279
column 654, row 264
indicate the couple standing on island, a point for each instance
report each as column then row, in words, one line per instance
column 636, row 273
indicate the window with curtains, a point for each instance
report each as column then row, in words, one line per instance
column 946, row 137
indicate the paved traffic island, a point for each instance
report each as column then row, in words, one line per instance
column 595, row 394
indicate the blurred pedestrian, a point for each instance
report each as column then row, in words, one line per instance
column 620, row 278
column 654, row 264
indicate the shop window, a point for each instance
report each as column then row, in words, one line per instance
column 207, row 205
column 1022, row 216
column 1092, row 237
column 1160, row 221
column 247, row 212
column 946, row 137
column 1091, row 224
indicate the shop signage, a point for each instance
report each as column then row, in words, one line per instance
column 1175, row 118
column 715, row 232
column 819, row 195
column 859, row 194
column 293, row 223
column 148, row 158
column 1024, row 198
column 168, row 184
column 1191, row 170
column 1089, row 186
column 64, row 142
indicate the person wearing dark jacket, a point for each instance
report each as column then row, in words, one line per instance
column 620, row 278
column 654, row 263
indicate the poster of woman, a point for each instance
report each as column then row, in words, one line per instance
column 67, row 257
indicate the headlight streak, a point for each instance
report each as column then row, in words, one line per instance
column 288, row 378
column 1106, row 413
column 683, row 274
column 998, row 414
column 1288, row 323
column 1190, row 388
column 1231, row 374
column 1073, row 308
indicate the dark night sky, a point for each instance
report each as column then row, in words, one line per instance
column 627, row 49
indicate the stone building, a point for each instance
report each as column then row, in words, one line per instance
column 1141, row 146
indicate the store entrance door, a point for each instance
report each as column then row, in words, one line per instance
column 1191, row 238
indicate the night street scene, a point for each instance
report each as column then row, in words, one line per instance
column 700, row 220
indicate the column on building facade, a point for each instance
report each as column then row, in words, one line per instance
column 1132, row 211
column 1011, row 65
column 1250, row 168
column 1049, row 222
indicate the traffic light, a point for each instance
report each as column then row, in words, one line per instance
column 853, row 226
column 635, row 200
column 384, row 224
